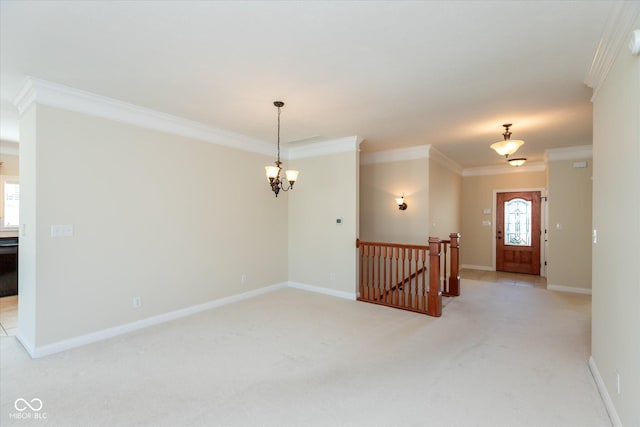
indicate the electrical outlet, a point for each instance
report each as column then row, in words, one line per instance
column 243, row 279
column 137, row 302
column 618, row 382
column 332, row 276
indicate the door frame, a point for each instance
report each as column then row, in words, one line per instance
column 544, row 207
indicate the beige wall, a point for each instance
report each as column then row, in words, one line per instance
column 445, row 199
column 170, row 219
column 569, row 224
column 11, row 163
column 321, row 252
column 380, row 185
column 616, row 255
column 477, row 194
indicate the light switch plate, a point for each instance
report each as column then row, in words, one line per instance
column 64, row 230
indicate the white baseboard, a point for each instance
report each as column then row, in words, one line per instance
column 604, row 393
column 45, row 350
column 477, row 267
column 28, row 345
column 561, row 288
column 92, row 337
column 321, row 290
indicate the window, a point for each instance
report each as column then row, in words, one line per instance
column 10, row 202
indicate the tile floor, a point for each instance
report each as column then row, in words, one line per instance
column 8, row 316
column 9, row 305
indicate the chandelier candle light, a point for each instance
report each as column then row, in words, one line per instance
column 273, row 172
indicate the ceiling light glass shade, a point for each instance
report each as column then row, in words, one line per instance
column 508, row 147
column 517, row 162
column 401, row 203
column 292, row 175
column 272, row 172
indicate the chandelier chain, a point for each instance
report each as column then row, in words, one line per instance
column 279, row 136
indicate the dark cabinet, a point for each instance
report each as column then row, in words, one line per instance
column 8, row 266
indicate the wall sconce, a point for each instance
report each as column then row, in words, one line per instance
column 401, row 204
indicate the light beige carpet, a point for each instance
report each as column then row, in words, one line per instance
column 500, row 356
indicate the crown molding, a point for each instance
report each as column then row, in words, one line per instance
column 37, row 91
column 616, row 33
column 505, row 169
column 445, row 161
column 577, row 152
column 397, row 155
column 333, row 146
column 410, row 153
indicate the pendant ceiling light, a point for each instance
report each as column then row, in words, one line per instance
column 508, row 146
column 273, row 172
column 517, row 162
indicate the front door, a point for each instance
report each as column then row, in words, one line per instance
column 518, row 232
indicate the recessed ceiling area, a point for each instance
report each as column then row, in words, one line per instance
column 395, row 73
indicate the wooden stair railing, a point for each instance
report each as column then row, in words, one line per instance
column 395, row 275
column 451, row 283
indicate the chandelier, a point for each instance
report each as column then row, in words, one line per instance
column 508, row 146
column 273, row 172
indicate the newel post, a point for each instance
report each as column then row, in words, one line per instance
column 434, row 298
column 454, row 278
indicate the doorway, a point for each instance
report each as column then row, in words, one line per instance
column 518, row 232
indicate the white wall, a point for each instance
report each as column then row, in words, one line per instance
column 173, row 220
column 27, row 248
column 321, row 252
column 616, row 256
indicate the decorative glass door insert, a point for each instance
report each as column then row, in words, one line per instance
column 517, row 222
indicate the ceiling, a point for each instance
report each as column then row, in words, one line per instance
column 396, row 74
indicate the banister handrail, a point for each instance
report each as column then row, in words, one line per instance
column 390, row 245
column 395, row 274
